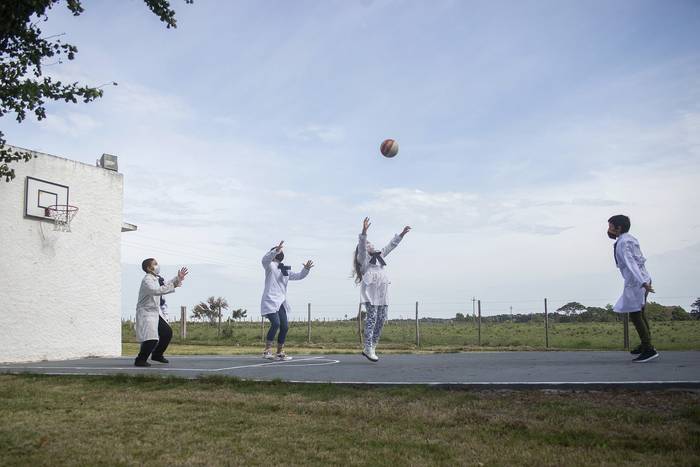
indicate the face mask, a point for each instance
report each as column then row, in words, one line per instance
column 612, row 236
column 156, row 270
column 280, row 256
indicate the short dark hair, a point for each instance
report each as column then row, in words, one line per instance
column 279, row 256
column 147, row 264
column 621, row 221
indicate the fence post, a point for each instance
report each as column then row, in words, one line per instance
column 479, row 322
column 546, row 326
column 183, row 322
column 417, row 328
column 359, row 323
column 308, row 325
column 626, row 330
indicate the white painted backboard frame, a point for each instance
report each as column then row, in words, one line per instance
column 40, row 194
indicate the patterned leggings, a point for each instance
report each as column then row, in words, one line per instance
column 376, row 315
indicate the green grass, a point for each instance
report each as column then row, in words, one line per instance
column 125, row 420
column 449, row 336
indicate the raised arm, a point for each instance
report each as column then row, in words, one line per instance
column 152, row 287
column 270, row 255
column 395, row 241
column 297, row 276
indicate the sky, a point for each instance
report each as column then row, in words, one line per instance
column 522, row 125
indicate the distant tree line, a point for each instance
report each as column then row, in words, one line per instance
column 574, row 312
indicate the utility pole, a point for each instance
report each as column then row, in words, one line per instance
column 473, row 307
column 511, row 314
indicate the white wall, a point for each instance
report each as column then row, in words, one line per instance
column 60, row 293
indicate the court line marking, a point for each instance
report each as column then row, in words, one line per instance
column 436, row 383
column 287, row 363
column 492, row 383
column 164, row 368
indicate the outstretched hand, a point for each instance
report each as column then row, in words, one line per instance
column 365, row 225
column 309, row 264
column 405, row 230
column 181, row 274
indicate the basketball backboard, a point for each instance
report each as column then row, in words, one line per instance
column 40, row 194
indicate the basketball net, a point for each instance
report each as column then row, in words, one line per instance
column 62, row 215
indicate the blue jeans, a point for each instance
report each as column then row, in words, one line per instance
column 278, row 321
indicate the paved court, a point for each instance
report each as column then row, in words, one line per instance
column 472, row 369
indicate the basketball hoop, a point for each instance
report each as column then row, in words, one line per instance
column 62, row 215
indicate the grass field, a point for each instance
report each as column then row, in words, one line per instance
column 138, row 420
column 342, row 335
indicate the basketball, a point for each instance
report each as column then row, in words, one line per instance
column 389, row 148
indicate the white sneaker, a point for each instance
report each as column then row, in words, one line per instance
column 369, row 353
column 267, row 355
column 373, row 354
column 283, row 357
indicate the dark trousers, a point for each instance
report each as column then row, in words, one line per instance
column 641, row 324
column 156, row 347
column 278, row 321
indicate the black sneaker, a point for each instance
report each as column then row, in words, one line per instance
column 646, row 356
column 637, row 350
column 141, row 363
column 160, row 359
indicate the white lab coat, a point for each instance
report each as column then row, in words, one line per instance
column 375, row 281
column 630, row 261
column 275, row 293
column 148, row 306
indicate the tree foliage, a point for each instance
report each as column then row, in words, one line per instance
column 571, row 308
column 240, row 313
column 24, row 53
column 695, row 309
column 211, row 309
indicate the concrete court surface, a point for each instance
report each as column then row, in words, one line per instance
column 586, row 369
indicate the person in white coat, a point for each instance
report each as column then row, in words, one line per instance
column 274, row 304
column 151, row 328
column 631, row 263
column 369, row 271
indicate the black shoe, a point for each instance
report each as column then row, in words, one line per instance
column 646, row 356
column 141, row 363
column 160, row 359
column 637, row 350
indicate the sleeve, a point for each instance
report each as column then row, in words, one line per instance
column 362, row 255
column 267, row 259
column 297, row 276
column 392, row 244
column 151, row 286
column 631, row 264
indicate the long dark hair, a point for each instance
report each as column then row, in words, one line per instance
column 356, row 266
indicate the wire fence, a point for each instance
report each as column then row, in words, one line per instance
column 540, row 324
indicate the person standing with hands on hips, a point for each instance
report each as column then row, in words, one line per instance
column 369, row 271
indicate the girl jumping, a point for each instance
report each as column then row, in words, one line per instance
column 369, row 271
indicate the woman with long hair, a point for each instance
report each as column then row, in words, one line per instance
column 369, row 272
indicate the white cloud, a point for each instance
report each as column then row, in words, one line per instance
column 140, row 101
column 315, row 132
column 72, row 124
